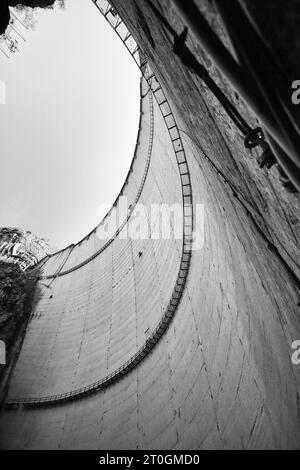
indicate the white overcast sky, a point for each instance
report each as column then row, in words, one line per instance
column 69, row 126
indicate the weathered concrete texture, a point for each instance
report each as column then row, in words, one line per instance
column 91, row 321
column 221, row 376
column 275, row 210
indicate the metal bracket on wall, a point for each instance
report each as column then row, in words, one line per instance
column 253, row 77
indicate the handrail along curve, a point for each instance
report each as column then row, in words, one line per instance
column 188, row 222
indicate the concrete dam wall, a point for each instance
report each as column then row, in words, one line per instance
column 158, row 343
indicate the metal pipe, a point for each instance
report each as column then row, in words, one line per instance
column 188, row 59
column 232, row 71
column 264, row 70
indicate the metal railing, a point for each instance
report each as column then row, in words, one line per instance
column 60, row 273
column 187, row 201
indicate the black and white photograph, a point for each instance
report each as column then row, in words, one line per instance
column 149, row 230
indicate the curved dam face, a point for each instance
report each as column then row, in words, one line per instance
column 181, row 341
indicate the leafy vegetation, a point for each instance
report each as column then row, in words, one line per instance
column 16, row 296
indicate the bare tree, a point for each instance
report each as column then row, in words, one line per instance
column 26, row 6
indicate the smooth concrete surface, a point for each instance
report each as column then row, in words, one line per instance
column 221, row 377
